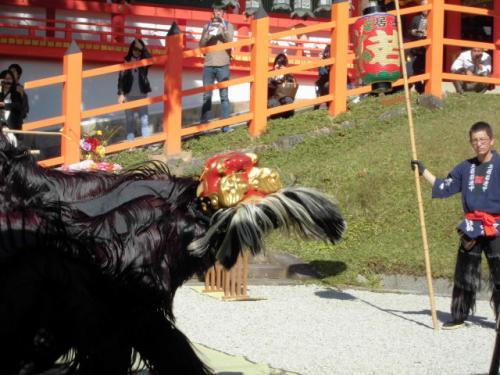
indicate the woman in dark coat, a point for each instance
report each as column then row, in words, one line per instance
column 11, row 102
column 133, row 84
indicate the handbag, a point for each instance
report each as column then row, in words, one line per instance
column 287, row 88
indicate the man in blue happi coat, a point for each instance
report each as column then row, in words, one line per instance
column 478, row 179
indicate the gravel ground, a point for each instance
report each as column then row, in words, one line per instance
column 317, row 330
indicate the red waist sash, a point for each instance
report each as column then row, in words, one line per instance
column 486, row 219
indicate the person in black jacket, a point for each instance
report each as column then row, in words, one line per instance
column 17, row 71
column 133, row 84
column 417, row 30
column 11, row 103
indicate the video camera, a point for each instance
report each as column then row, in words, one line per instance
column 215, row 26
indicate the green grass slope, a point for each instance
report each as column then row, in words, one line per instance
column 365, row 166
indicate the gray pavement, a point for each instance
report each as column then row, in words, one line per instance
column 315, row 330
column 448, row 87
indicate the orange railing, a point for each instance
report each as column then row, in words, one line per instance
column 259, row 44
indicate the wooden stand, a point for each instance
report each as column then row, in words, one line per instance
column 233, row 282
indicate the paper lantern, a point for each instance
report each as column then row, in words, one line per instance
column 251, row 6
column 302, row 9
column 377, row 50
column 323, row 7
column 281, row 6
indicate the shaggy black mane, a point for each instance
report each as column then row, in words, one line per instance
column 90, row 262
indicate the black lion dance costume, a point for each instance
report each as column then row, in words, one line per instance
column 90, row 262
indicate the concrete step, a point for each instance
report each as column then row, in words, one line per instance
column 266, row 271
column 279, row 265
column 276, row 268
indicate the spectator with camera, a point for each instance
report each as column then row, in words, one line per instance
column 281, row 89
column 216, row 66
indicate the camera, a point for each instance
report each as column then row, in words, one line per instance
column 215, row 24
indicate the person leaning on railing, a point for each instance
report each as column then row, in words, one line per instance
column 474, row 62
column 216, row 66
column 322, row 84
column 281, row 89
column 133, row 84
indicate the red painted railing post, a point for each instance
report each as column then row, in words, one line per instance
column 172, row 86
column 453, row 31
column 259, row 67
column 50, row 15
column 68, row 35
column 117, row 28
column 434, row 58
column 243, row 32
column 496, row 39
column 71, row 104
column 339, row 50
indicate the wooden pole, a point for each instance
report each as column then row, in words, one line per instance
column 454, row 31
column 496, row 39
column 72, row 100
column 434, row 55
column 417, row 179
column 172, row 81
column 338, row 50
column 259, row 66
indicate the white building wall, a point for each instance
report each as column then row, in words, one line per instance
column 99, row 91
column 84, row 18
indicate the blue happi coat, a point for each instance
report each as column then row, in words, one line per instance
column 480, row 191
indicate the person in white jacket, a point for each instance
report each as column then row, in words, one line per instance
column 472, row 62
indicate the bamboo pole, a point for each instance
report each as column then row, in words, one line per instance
column 423, row 229
column 496, row 351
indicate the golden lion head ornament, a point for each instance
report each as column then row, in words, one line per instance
column 235, row 177
column 245, row 202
